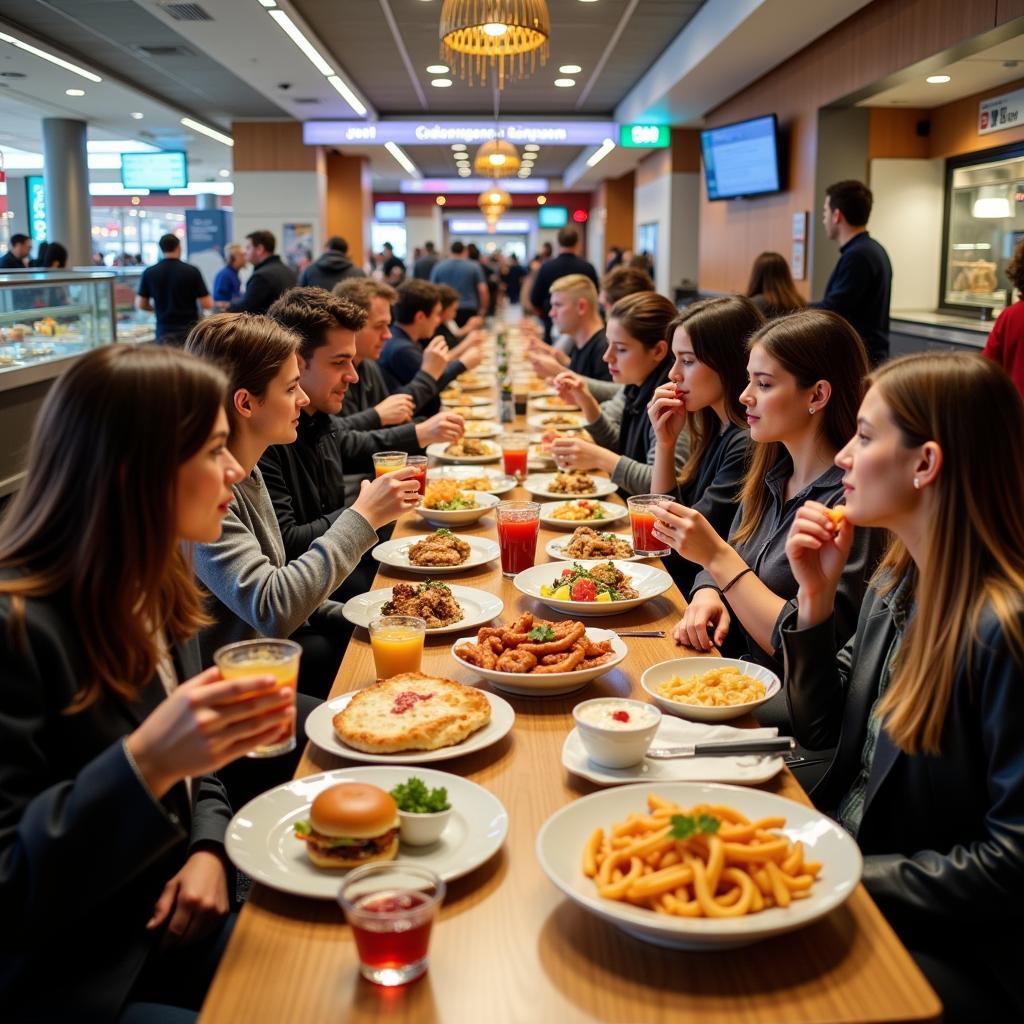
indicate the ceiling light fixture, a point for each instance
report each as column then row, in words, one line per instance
column 541, row 200
column 347, row 94
column 269, row 3
column 505, row 36
column 295, row 34
column 224, row 172
column 531, row 147
column 137, row 115
column 441, row 83
column 497, row 158
column 440, row 200
column 570, row 69
column 458, row 147
column 438, row 69
column 51, row 57
column 400, row 156
column 211, row 133
column 937, row 79
column 74, row 92
column 599, row 154
column 565, row 83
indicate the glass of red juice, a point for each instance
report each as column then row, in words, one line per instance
column 418, row 464
column 642, row 520
column 515, row 452
column 518, row 526
column 391, row 906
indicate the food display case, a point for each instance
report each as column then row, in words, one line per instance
column 984, row 220
column 136, row 325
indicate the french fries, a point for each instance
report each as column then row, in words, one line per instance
column 708, row 861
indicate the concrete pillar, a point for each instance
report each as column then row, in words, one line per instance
column 66, row 176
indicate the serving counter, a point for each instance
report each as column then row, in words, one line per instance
column 923, row 330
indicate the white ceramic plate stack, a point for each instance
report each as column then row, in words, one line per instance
column 478, row 608
column 539, row 484
column 613, row 514
column 395, row 553
column 485, row 502
column 560, row 852
column 647, row 580
column 687, row 667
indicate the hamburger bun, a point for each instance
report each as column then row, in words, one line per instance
column 354, row 810
column 338, row 860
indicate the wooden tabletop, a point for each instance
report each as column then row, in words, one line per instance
column 509, row 947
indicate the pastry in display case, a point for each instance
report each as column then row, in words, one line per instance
column 46, row 316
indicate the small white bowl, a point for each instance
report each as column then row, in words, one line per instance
column 462, row 516
column 622, row 746
column 665, row 670
column 422, row 829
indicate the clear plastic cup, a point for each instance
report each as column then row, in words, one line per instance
column 418, row 463
column 388, row 462
column 642, row 520
column 515, row 453
column 397, row 643
column 518, row 526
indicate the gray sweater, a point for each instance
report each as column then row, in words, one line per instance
column 257, row 591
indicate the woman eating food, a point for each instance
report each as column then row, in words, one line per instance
column 113, row 882
column 639, row 356
column 926, row 700
column 258, row 591
column 702, row 398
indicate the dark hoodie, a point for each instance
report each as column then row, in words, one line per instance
column 328, row 270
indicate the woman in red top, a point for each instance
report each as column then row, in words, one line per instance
column 1005, row 344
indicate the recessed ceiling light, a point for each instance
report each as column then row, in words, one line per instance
column 565, row 83
column 459, row 147
column 224, row 172
column 937, row 79
column 541, row 200
column 138, row 115
column 570, row 69
column 464, row 172
column 440, row 83
column 531, row 147
column 440, row 200
column 74, row 92
column 438, row 69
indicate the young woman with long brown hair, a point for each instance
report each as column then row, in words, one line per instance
column 926, row 700
column 111, row 823
column 771, row 286
column 639, row 356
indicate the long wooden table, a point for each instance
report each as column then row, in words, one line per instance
column 508, row 947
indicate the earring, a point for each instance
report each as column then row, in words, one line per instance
column 917, row 484
column 811, row 410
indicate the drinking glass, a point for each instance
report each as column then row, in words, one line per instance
column 388, row 462
column 518, row 526
column 642, row 520
column 277, row 658
column 397, row 643
column 515, row 452
column 419, row 465
column 391, row 907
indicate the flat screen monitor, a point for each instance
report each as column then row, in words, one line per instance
column 553, row 216
column 158, row 172
column 741, row 159
column 389, row 212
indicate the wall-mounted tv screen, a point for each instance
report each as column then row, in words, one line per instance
column 156, row 171
column 553, row 216
column 741, row 159
column 388, row 212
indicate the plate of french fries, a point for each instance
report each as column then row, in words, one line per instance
column 699, row 866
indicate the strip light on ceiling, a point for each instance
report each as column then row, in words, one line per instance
column 51, row 57
column 317, row 59
column 211, row 133
column 400, row 156
column 599, row 154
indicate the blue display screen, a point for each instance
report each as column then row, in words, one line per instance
column 156, row 171
column 553, row 216
column 741, row 159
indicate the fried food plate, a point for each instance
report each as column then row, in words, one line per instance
column 260, row 838
column 528, row 684
column 614, row 514
column 561, row 840
column 320, row 729
column 439, row 450
column 481, row 428
column 647, row 580
column 485, row 502
column 395, row 553
column 573, row 421
column 497, row 482
column 539, row 484
column 555, row 547
column 551, row 403
column 470, row 400
column 478, row 608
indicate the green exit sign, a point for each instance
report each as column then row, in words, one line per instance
column 644, row 136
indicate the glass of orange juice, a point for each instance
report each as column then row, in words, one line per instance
column 397, row 642
column 388, row 462
column 277, row 658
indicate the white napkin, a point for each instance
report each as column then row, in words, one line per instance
column 706, row 732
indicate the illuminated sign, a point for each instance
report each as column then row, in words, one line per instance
column 478, row 226
column 644, row 136
column 553, row 216
column 465, row 186
column 37, row 206
column 386, row 212
column 432, row 133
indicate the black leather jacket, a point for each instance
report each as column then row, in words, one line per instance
column 943, row 836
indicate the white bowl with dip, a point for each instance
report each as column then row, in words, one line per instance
column 422, row 829
column 615, row 732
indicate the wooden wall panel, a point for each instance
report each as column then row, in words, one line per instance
column 653, row 166
column 892, row 133
column 347, row 201
column 1007, row 10
column 271, row 146
column 955, row 125
column 619, row 225
column 685, row 151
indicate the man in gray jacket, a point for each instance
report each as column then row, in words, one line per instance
column 331, row 267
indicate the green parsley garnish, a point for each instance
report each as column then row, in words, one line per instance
column 686, row 826
column 413, row 797
column 541, row 634
column 442, row 532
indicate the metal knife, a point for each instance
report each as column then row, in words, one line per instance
column 639, row 632
column 730, row 748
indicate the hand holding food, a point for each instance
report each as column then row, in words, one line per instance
column 446, row 425
column 571, row 451
column 383, row 500
column 817, row 548
column 667, row 413
column 395, row 409
column 471, row 357
column 435, row 357
column 573, row 390
column 705, row 611
column 685, row 530
column 546, row 362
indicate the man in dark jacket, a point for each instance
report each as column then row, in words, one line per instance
column 333, row 266
column 270, row 277
column 568, row 261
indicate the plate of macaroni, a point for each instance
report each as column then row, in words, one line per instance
column 710, row 689
column 699, row 866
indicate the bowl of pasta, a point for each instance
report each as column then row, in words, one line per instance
column 699, row 866
column 709, row 689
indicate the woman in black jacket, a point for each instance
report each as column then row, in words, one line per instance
column 926, row 702
column 113, row 883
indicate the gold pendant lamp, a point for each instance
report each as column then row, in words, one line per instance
column 496, row 159
column 505, row 35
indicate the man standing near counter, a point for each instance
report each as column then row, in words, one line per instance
column 270, row 278
column 17, row 253
column 172, row 288
column 861, row 283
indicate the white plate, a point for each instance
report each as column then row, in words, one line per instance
column 540, row 460
column 560, row 850
column 746, row 770
column 538, row 421
column 320, row 730
column 526, row 684
column 555, row 548
column 478, row 606
column 474, row 384
column 648, row 581
column 481, row 429
column 499, row 483
column 479, row 412
column 485, row 501
column 470, row 400
column 540, row 485
column 438, row 449
column 551, row 403
column 260, row 838
column 395, row 553
column 615, row 513
column 686, row 667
